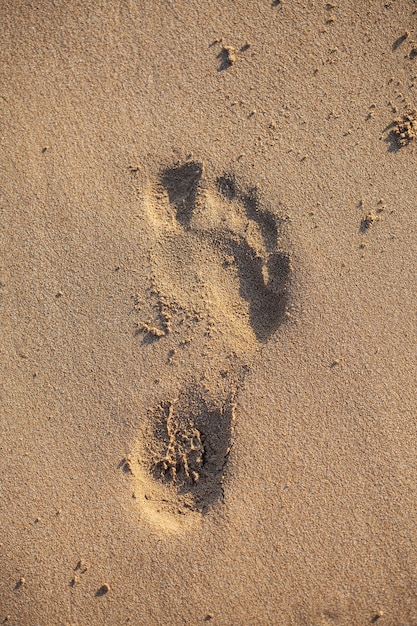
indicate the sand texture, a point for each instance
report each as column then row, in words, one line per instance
column 208, row 313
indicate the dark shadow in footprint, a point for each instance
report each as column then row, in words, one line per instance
column 266, row 221
column 392, row 141
column 192, row 439
column 181, row 183
column 227, row 186
column 266, row 291
column 268, row 300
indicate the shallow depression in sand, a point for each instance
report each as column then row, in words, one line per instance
column 217, row 255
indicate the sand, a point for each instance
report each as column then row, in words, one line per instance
column 208, row 288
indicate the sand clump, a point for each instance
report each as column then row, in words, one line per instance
column 405, row 128
column 230, row 54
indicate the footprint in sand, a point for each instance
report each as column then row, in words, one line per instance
column 220, row 283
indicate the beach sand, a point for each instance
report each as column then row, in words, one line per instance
column 208, row 312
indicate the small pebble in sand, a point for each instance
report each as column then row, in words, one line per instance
column 126, row 466
column 82, row 566
column 103, row 590
column 369, row 219
column 230, row 54
column 377, row 617
column 152, row 330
